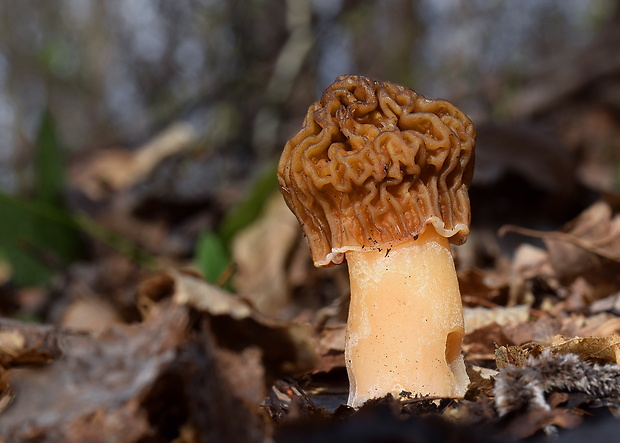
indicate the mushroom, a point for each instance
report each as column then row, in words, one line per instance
column 378, row 175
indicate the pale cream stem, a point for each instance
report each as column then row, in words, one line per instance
column 405, row 323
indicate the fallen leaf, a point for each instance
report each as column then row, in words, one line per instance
column 90, row 315
column 481, row 288
column 116, row 170
column 608, row 304
column 479, row 345
column 476, row 318
column 330, row 348
column 589, row 349
column 12, row 344
column 593, row 349
column 31, row 344
column 261, row 253
column 287, row 347
column 541, row 330
column 205, row 297
column 91, row 375
column 587, row 247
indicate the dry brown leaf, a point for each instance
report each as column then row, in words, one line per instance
column 530, row 261
column 57, row 401
column 90, row 315
column 195, row 292
column 533, row 421
column 592, row 349
column 482, row 288
column 261, row 254
column 244, row 370
column 31, row 344
column 515, row 355
column 330, row 348
column 587, row 247
column 542, row 330
column 480, row 344
column 476, row 318
column 12, row 344
column 117, row 170
column 607, row 304
column 287, row 347
column 137, row 382
column 601, row 325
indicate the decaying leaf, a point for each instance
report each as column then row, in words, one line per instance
column 287, row 348
column 200, row 363
column 607, row 304
column 587, row 247
column 589, row 349
column 28, row 344
column 533, row 421
column 480, row 288
column 506, row 356
column 89, row 376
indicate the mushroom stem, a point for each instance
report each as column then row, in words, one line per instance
column 405, row 323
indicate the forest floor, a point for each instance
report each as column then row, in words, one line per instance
column 128, row 345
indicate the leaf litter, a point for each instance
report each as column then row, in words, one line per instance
column 201, row 359
column 123, row 354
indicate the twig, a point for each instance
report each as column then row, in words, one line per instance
column 561, row 236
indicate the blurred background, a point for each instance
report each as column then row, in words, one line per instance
column 141, row 134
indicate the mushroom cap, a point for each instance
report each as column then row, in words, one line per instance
column 373, row 165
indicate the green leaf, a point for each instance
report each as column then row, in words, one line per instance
column 37, row 237
column 250, row 207
column 212, row 256
column 40, row 237
column 38, row 240
column 35, row 240
column 49, row 168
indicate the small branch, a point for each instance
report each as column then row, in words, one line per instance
column 560, row 236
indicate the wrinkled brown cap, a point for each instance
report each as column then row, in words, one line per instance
column 374, row 164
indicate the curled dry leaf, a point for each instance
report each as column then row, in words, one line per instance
column 261, row 253
column 117, row 170
column 195, row 292
column 587, row 247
